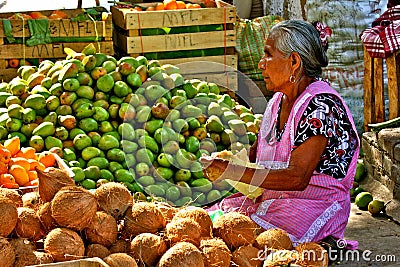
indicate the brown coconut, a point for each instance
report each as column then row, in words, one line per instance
column 9, row 216
column 143, row 217
column 274, row 238
column 167, row 210
column 216, row 253
column 235, row 229
column 51, row 181
column 13, row 195
column 7, row 254
column 103, row 230
column 148, row 248
column 182, row 254
column 183, row 229
column 24, row 252
column 120, row 246
column 114, row 198
column 64, row 244
column 43, row 257
column 198, row 215
column 28, row 224
column 73, row 207
column 44, row 214
column 312, row 254
column 282, row 257
column 120, row 260
column 97, row 250
column 247, row 256
column 31, row 200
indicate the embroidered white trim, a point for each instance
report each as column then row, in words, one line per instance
column 320, row 222
column 274, row 165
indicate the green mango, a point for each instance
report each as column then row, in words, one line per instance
column 88, row 125
column 227, row 101
column 15, row 111
column 44, row 129
column 35, row 101
column 85, row 91
column 144, row 155
column 203, row 185
column 52, row 103
column 190, row 111
column 129, row 146
column 154, row 92
column 192, row 144
column 182, row 158
column 214, row 88
column 171, row 147
column 100, row 113
column 51, row 141
column 182, row 175
column 115, row 154
column 51, row 117
column 152, row 125
column 4, row 132
column 61, row 133
column 214, row 109
column 238, row 127
column 90, row 152
column 108, row 142
column 214, row 124
column 180, row 125
column 84, row 111
column 13, row 124
column 56, row 89
column 127, row 131
column 228, row 137
column 148, row 142
column 3, row 98
column 143, row 113
column 100, row 162
column 106, row 127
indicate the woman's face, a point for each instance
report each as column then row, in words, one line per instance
column 275, row 67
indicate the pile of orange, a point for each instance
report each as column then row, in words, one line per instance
column 18, row 165
column 56, row 14
column 172, row 5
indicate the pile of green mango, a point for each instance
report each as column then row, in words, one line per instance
column 130, row 120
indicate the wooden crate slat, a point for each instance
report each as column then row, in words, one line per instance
column 379, row 90
column 178, row 42
column 200, row 64
column 393, row 70
column 53, row 50
column 63, row 28
column 369, row 102
column 128, row 19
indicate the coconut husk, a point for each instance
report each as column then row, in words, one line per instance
column 28, row 224
column 31, row 200
column 198, row 215
column 73, row 207
column 44, row 214
column 148, row 248
column 103, row 230
column 120, row 260
column 274, row 238
column 235, row 229
column 113, row 198
column 51, row 181
column 7, row 254
column 143, row 217
column 281, row 257
column 9, row 216
column 64, row 244
column 97, row 250
column 13, row 195
column 43, row 257
column 182, row 254
column 312, row 254
column 167, row 210
column 120, row 246
column 216, row 253
column 183, row 229
column 247, row 256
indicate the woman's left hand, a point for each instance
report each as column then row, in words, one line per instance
column 213, row 168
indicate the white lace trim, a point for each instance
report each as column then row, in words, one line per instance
column 320, row 222
column 274, row 165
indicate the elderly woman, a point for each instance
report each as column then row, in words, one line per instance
column 307, row 144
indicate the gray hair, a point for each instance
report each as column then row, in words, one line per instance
column 301, row 37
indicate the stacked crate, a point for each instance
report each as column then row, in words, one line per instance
column 201, row 41
column 71, row 33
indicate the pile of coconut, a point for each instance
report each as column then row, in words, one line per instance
column 66, row 222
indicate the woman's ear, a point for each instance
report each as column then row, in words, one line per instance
column 295, row 60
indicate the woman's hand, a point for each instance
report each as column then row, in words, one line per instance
column 213, row 168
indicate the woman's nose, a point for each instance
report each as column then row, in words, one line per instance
column 261, row 63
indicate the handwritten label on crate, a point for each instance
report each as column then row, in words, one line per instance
column 67, row 28
column 54, row 50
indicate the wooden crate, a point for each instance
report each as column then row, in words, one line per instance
column 90, row 262
column 374, row 99
column 129, row 37
column 64, row 33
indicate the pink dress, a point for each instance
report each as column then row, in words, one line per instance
column 323, row 208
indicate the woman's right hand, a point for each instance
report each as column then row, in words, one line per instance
column 213, row 168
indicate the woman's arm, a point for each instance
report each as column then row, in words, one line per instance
column 303, row 161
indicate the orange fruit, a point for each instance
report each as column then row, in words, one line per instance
column 55, row 16
column 13, row 63
column 37, row 15
column 5, row 155
column 6, row 178
column 32, row 175
column 13, row 145
column 27, row 153
column 159, row 6
column 192, row 6
column 47, row 159
column 36, row 164
column 170, row 5
column 150, row 8
column 20, row 174
column 21, row 162
column 138, row 8
column 60, row 13
column 3, row 168
column 181, row 5
column 32, row 183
